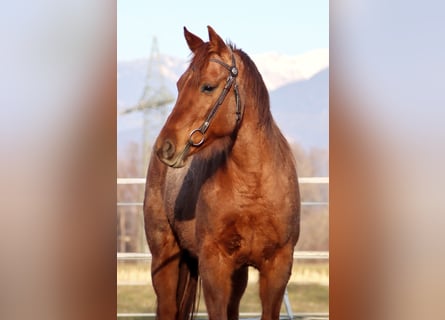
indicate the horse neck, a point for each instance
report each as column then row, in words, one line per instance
column 256, row 142
column 259, row 142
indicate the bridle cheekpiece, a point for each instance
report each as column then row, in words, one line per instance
column 199, row 133
column 231, row 80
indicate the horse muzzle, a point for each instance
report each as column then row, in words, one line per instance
column 167, row 154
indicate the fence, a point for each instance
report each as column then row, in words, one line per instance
column 126, row 256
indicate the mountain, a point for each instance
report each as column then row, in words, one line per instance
column 298, row 87
column 132, row 76
column 279, row 69
column 301, row 109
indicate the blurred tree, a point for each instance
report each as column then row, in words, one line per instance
column 314, row 218
column 314, row 234
column 130, row 228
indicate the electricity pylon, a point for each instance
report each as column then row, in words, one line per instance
column 155, row 96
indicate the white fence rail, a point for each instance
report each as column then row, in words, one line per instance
column 302, row 180
column 305, row 255
column 297, row 255
column 308, row 255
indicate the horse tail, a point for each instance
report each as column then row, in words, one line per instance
column 187, row 287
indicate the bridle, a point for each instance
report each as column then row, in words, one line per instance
column 231, row 81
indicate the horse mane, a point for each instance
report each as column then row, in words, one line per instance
column 253, row 80
column 260, row 95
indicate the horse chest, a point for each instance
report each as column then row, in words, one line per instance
column 245, row 220
column 245, row 224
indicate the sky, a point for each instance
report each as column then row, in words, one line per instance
column 288, row 27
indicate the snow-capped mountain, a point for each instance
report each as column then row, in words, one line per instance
column 132, row 77
column 298, row 87
column 301, row 109
column 279, row 69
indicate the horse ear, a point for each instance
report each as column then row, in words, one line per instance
column 216, row 42
column 193, row 41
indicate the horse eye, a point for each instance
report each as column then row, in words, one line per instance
column 207, row 88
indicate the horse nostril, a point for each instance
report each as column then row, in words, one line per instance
column 168, row 149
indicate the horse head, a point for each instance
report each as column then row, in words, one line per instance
column 207, row 111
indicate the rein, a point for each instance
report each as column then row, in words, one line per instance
column 231, row 80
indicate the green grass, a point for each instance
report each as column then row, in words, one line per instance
column 308, row 289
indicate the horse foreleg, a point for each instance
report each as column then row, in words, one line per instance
column 239, row 284
column 274, row 276
column 164, row 274
column 216, row 272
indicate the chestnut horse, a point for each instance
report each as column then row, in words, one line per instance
column 222, row 190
